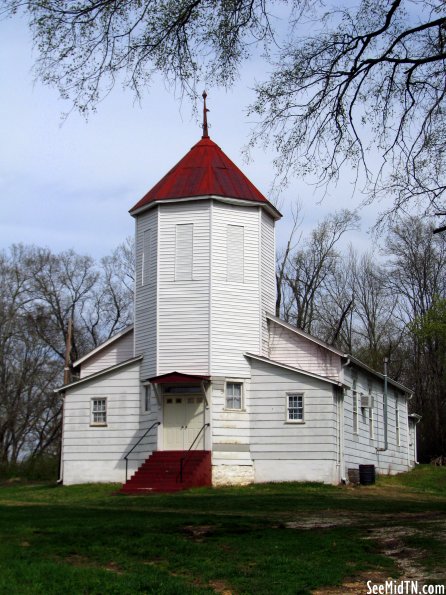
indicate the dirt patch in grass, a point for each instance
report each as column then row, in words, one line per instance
column 198, row 532
column 84, row 562
column 221, row 587
column 391, row 541
column 321, row 521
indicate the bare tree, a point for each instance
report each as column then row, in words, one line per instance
column 28, row 409
column 39, row 292
column 310, row 266
column 417, row 275
column 367, row 83
column 349, row 84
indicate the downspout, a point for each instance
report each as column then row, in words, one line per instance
column 343, row 477
column 386, row 442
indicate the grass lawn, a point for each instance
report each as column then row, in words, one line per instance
column 263, row 539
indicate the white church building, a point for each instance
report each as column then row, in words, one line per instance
column 209, row 387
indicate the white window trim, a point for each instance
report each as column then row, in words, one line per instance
column 371, row 413
column 96, row 424
column 372, row 422
column 294, row 421
column 144, row 387
column 397, row 423
column 355, row 410
column 242, row 395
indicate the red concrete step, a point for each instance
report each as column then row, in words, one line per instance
column 161, row 472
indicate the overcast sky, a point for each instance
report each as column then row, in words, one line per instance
column 70, row 184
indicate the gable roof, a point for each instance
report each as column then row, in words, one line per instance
column 205, row 171
column 102, row 346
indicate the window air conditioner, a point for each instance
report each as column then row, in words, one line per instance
column 366, row 402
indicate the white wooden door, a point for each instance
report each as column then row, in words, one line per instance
column 183, row 419
column 194, row 420
column 174, row 423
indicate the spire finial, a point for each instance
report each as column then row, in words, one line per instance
column 205, row 117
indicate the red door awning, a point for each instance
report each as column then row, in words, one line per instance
column 177, row 378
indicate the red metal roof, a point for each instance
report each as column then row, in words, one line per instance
column 177, row 378
column 205, row 170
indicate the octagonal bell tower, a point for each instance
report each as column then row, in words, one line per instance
column 205, row 278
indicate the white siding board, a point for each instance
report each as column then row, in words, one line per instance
column 235, row 315
column 115, row 353
column 95, row 453
column 274, row 442
column 183, row 305
column 297, row 351
column 268, row 276
column 360, row 448
column 146, row 293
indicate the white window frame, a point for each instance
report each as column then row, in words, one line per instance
column 371, row 413
column 93, row 411
column 355, row 406
column 397, row 423
column 239, row 382
column 299, row 395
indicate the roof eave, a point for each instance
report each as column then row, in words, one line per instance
column 364, row 366
column 272, row 362
column 270, row 208
column 103, row 372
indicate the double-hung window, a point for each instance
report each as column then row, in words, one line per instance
column 371, row 413
column 397, row 422
column 295, row 407
column 99, row 411
column 355, row 407
column 234, row 393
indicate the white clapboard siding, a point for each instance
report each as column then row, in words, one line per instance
column 229, row 426
column 146, row 290
column 288, row 347
column 95, row 453
column 235, row 306
column 273, row 440
column 359, row 447
column 183, row 298
column 115, row 353
column 268, row 277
